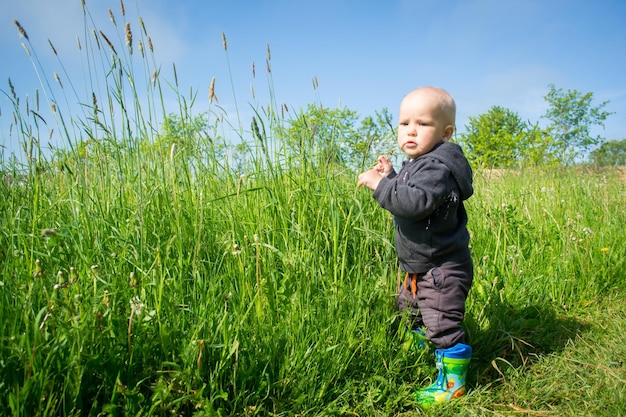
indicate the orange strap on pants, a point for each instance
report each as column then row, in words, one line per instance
column 410, row 284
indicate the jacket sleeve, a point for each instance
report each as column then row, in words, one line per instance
column 414, row 194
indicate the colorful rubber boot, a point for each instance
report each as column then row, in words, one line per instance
column 452, row 364
column 415, row 340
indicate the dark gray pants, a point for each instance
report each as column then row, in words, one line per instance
column 436, row 300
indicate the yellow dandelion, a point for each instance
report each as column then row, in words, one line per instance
column 604, row 249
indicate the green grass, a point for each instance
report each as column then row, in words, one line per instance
column 152, row 274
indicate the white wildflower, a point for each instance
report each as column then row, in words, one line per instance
column 136, row 305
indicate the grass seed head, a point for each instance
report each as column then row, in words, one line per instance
column 108, row 42
column 212, row 91
column 52, row 46
column 12, row 88
column 26, row 48
column 38, row 269
column 143, row 26
column 49, row 233
column 56, row 77
column 129, row 38
column 112, row 18
column 134, row 281
column 73, row 274
column 201, row 348
column 224, row 41
column 21, row 30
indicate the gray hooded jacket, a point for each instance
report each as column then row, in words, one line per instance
column 426, row 199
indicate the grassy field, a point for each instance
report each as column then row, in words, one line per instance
column 142, row 275
column 149, row 292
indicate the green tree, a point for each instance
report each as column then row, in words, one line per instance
column 375, row 136
column 501, row 139
column 183, row 135
column 610, row 153
column 572, row 116
column 336, row 136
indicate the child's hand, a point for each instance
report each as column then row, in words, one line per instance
column 384, row 166
column 370, row 178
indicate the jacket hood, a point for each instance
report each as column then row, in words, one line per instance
column 452, row 156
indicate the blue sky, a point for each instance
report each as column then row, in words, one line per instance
column 364, row 54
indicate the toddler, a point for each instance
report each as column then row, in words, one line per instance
column 431, row 238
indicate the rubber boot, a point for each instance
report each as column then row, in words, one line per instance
column 452, row 364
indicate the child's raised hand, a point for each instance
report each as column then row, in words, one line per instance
column 384, row 166
column 371, row 178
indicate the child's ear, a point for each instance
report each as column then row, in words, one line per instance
column 447, row 132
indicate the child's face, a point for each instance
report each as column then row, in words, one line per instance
column 422, row 123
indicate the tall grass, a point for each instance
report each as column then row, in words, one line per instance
column 148, row 274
